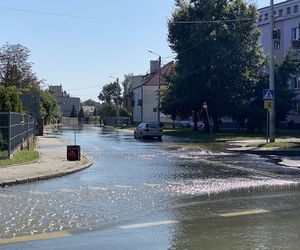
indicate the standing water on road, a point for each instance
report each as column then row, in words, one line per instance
column 130, row 180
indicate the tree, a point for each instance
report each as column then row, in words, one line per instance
column 109, row 92
column 107, row 110
column 10, row 99
column 80, row 115
column 217, row 61
column 127, row 91
column 15, row 70
column 73, row 111
column 89, row 102
column 284, row 97
column 49, row 107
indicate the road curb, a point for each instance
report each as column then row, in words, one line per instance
column 279, row 152
column 89, row 163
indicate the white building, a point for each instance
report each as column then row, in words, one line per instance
column 145, row 93
column 287, row 23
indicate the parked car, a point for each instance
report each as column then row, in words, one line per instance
column 199, row 124
column 148, row 130
column 186, row 124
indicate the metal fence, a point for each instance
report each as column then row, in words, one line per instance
column 15, row 128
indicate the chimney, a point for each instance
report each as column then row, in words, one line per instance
column 154, row 66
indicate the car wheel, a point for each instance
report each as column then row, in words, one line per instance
column 159, row 138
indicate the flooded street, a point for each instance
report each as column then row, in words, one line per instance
column 184, row 188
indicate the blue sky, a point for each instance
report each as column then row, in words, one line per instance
column 91, row 40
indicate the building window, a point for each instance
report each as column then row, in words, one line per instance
column 280, row 13
column 266, row 16
column 276, row 37
column 296, row 108
column 288, row 10
column 295, row 38
column 295, row 33
column 295, row 8
column 260, row 18
column 295, row 83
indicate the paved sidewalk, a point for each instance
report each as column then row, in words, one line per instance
column 286, row 157
column 52, row 163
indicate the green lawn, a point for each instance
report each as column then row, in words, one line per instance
column 22, row 156
column 203, row 136
column 278, row 145
column 232, row 135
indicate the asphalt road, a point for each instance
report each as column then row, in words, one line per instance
column 155, row 195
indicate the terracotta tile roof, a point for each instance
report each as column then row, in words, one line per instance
column 152, row 79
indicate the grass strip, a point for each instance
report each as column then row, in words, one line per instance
column 22, row 156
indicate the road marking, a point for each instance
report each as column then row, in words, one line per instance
column 67, row 190
column 123, row 186
column 98, row 188
column 243, row 213
column 149, row 224
column 174, row 183
column 151, row 185
column 42, row 236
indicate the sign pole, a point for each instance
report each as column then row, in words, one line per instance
column 267, row 130
column 271, row 77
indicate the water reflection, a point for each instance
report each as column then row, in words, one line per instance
column 133, row 179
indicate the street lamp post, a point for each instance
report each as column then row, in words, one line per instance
column 118, row 104
column 158, row 91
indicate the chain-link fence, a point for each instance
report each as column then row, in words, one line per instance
column 15, row 128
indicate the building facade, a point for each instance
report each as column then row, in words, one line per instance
column 145, row 93
column 64, row 100
column 287, row 23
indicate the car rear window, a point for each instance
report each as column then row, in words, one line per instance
column 153, row 125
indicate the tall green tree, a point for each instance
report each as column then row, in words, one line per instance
column 127, row 92
column 218, row 57
column 73, row 111
column 109, row 92
column 49, row 108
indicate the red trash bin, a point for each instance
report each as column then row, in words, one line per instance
column 73, row 153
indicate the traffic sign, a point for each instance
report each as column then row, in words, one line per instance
column 268, row 94
column 268, row 104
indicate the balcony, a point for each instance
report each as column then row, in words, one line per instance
column 296, row 44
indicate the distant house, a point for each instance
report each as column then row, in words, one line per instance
column 145, row 93
column 64, row 100
column 88, row 110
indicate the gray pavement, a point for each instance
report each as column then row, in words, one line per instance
column 52, row 163
column 286, row 157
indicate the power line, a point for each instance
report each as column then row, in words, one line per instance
column 72, row 16
column 90, row 87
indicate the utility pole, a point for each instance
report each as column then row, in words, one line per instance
column 158, row 91
column 271, row 78
column 118, row 101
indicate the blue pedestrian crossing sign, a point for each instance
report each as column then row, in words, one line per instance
column 268, row 94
